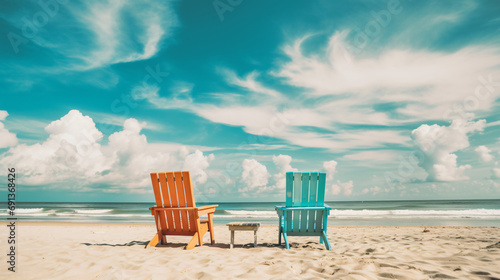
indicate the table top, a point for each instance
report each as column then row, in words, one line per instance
column 243, row 224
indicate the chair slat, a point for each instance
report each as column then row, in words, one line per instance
column 192, row 221
column 312, row 219
column 297, row 188
column 182, row 199
column 313, row 187
column 319, row 221
column 188, row 187
column 166, row 201
column 321, row 189
column 156, row 189
column 158, row 197
column 304, row 201
column 289, row 189
column 297, row 193
column 289, row 198
column 173, row 197
column 304, row 197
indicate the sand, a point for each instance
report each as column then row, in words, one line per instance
column 116, row 251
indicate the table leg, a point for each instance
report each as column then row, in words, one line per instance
column 232, row 240
column 255, row 238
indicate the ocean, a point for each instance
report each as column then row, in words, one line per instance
column 353, row 213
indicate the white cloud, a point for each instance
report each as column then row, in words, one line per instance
column 153, row 20
column 116, row 120
column 339, row 187
column 254, row 175
column 73, row 157
column 282, row 162
column 438, row 144
column 496, row 172
column 197, row 163
column 330, row 168
column 250, row 83
column 375, row 156
column 7, row 138
column 484, row 153
column 416, row 81
column 105, row 29
column 260, row 116
column 180, row 99
column 415, row 78
column 283, row 165
column 374, row 190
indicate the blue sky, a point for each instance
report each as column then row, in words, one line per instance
column 393, row 99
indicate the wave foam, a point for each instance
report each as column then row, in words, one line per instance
column 28, row 210
column 93, row 211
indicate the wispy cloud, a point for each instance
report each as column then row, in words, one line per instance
column 421, row 81
column 112, row 39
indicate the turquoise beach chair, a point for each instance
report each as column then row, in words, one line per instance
column 305, row 213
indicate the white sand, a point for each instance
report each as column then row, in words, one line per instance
column 116, row 251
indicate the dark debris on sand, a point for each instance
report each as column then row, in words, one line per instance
column 496, row 245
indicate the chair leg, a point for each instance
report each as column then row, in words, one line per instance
column 211, row 228
column 198, row 229
column 321, row 239
column 327, row 243
column 286, row 240
column 192, row 242
column 279, row 238
column 153, row 241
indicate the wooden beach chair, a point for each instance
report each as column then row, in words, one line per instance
column 305, row 212
column 175, row 211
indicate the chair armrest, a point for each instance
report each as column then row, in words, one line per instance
column 171, row 208
column 200, row 210
column 301, row 208
column 206, row 209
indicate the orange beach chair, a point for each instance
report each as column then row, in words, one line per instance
column 175, row 211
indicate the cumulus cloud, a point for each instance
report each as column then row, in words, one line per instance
column 197, row 163
column 257, row 178
column 254, row 175
column 339, row 187
column 496, row 172
column 374, row 190
column 438, row 144
column 336, row 188
column 330, row 168
column 7, row 138
column 283, row 165
column 484, row 153
column 73, row 157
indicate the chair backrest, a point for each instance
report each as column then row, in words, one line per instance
column 305, row 189
column 173, row 189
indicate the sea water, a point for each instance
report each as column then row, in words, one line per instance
column 352, row 213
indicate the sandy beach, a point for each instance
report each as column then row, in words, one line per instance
column 116, row 251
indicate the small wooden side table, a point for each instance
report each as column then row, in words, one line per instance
column 243, row 226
